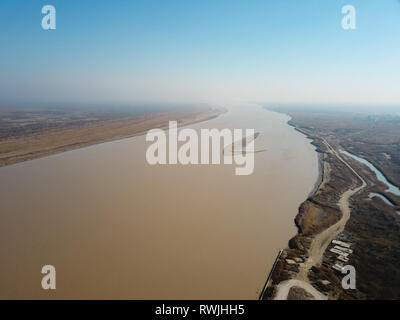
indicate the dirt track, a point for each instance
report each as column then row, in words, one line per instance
column 322, row 240
column 284, row 287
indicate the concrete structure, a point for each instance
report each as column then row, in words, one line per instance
column 343, row 249
column 342, row 258
column 338, row 252
column 341, row 243
column 337, row 267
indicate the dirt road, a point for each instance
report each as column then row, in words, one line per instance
column 322, row 240
column 284, row 287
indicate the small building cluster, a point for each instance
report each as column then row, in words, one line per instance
column 342, row 249
column 296, row 260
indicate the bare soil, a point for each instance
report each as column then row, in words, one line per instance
column 30, row 134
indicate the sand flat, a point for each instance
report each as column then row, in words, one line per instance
column 45, row 137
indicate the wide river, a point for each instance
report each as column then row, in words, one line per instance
column 115, row 227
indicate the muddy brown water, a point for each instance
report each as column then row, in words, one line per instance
column 115, row 227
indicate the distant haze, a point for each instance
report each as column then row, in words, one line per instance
column 178, row 50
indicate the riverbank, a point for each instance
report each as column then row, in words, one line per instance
column 320, row 219
column 44, row 139
column 372, row 231
column 321, row 165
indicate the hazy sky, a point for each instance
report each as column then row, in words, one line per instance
column 200, row 50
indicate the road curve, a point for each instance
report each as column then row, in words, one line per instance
column 321, row 241
column 284, row 287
